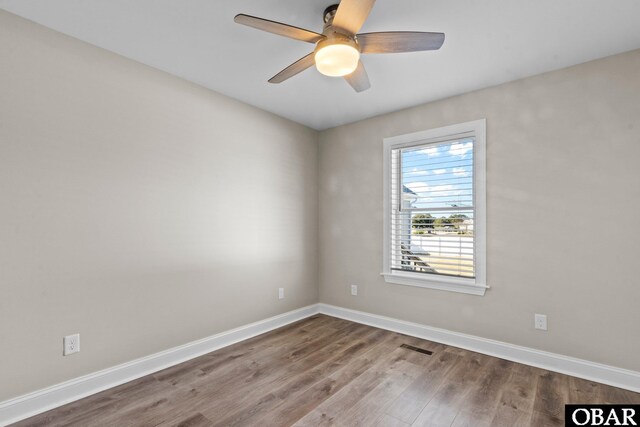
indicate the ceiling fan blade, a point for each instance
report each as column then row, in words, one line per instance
column 399, row 41
column 359, row 80
column 279, row 28
column 351, row 15
column 297, row 67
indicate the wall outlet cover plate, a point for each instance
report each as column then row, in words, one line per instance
column 71, row 344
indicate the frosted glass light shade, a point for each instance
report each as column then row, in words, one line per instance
column 337, row 60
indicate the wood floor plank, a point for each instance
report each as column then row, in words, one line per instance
column 320, row 365
column 292, row 410
column 279, row 369
column 372, row 406
column 544, row 419
column 197, row 420
column 552, row 393
column 325, row 371
column 377, row 363
column 389, row 421
column 450, row 396
column 507, row 416
column 412, row 401
column 611, row 394
column 219, row 385
column 581, row 391
column 151, row 397
column 517, row 397
column 483, row 400
column 631, row 396
column 219, row 401
column 252, row 366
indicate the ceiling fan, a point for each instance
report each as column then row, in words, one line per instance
column 338, row 48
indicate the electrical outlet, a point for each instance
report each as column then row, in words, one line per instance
column 540, row 321
column 280, row 293
column 71, row 344
column 354, row 290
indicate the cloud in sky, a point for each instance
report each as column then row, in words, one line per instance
column 439, row 171
column 442, row 195
column 460, row 172
column 416, row 172
column 431, row 151
column 423, row 188
column 417, row 187
column 444, row 189
column 459, row 149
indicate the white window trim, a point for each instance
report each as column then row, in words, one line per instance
column 478, row 285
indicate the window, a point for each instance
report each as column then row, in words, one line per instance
column 434, row 206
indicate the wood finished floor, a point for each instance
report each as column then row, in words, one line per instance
column 325, row 371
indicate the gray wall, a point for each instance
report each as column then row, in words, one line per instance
column 137, row 209
column 563, row 155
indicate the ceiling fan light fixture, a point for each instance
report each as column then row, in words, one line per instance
column 338, row 47
column 337, row 59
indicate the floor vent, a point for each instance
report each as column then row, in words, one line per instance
column 419, row 350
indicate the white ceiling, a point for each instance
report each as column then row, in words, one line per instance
column 487, row 42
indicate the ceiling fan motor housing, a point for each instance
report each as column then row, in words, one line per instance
column 329, row 13
column 334, row 37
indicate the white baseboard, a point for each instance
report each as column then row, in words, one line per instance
column 592, row 371
column 60, row 394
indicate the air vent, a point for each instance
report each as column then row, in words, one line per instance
column 419, row 350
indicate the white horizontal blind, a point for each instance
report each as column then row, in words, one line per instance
column 432, row 208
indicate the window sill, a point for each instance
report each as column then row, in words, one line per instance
column 452, row 284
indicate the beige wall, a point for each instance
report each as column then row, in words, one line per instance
column 137, row 209
column 563, row 162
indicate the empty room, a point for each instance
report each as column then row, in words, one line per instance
column 319, row 213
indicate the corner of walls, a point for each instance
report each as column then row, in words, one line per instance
column 546, row 135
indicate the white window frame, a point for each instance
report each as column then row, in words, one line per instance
column 474, row 286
